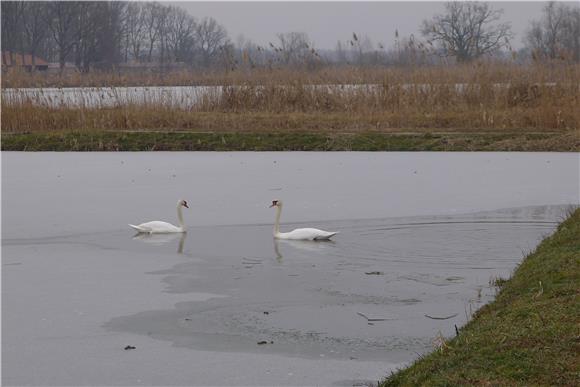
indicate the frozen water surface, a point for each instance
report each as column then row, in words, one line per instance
column 421, row 235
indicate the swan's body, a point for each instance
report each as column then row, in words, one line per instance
column 308, row 234
column 157, row 227
column 160, row 227
column 311, row 234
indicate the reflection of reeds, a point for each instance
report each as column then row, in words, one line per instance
column 470, row 97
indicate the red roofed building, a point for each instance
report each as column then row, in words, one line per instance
column 23, row 60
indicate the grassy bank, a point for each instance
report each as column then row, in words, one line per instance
column 528, row 336
column 286, row 141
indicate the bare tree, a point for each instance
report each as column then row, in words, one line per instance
column 99, row 34
column 104, row 33
column 468, row 30
column 152, row 17
column 62, row 17
column 35, row 28
column 556, row 34
column 163, row 25
column 12, row 15
column 180, row 39
column 248, row 55
column 295, row 48
column 135, row 33
column 209, row 36
column 544, row 36
column 572, row 33
column 111, row 26
column 85, row 47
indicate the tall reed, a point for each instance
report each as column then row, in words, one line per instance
column 469, row 98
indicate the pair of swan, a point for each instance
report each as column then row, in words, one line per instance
column 159, row 227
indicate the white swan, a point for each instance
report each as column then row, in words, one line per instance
column 312, row 234
column 159, row 227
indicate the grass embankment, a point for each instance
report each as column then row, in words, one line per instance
column 528, row 336
column 285, row 141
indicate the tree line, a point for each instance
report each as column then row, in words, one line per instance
column 104, row 34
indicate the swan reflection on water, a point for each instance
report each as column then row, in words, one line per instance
column 303, row 245
column 162, row 239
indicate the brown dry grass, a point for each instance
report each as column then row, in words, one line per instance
column 493, row 98
column 479, row 72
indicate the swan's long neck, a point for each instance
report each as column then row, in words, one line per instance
column 180, row 217
column 277, row 223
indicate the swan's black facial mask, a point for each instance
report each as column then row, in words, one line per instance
column 274, row 203
column 185, row 204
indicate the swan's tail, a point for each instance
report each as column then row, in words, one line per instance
column 327, row 236
column 139, row 229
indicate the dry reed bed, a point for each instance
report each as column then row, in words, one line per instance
column 479, row 72
column 466, row 98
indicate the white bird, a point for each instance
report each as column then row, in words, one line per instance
column 312, row 234
column 159, row 227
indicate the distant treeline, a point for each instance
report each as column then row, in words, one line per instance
column 105, row 34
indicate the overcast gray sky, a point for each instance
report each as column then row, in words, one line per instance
column 328, row 22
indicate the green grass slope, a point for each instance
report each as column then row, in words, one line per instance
column 530, row 335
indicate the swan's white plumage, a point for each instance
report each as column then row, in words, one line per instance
column 311, row 234
column 160, row 227
column 156, row 226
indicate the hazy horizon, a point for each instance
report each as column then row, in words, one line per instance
column 328, row 22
